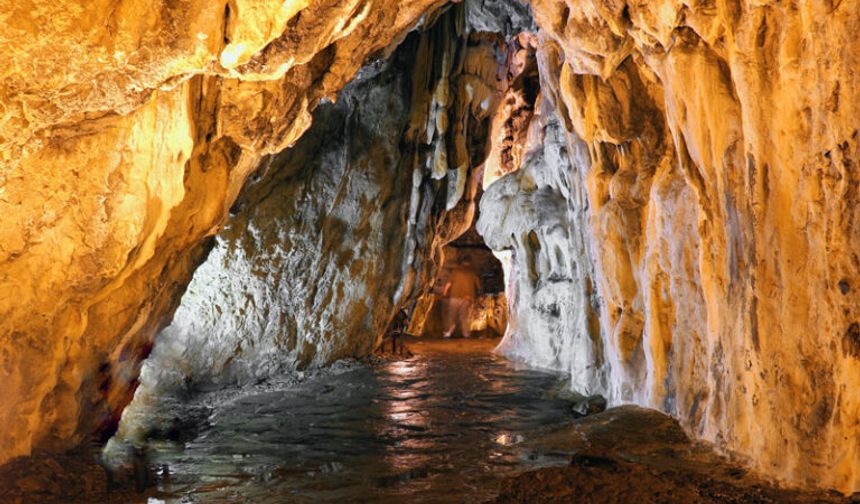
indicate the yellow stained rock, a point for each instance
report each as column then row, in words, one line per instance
column 723, row 139
column 127, row 129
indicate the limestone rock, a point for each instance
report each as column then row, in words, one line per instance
column 723, row 144
column 536, row 218
column 128, row 129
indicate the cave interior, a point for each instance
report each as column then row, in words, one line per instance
column 430, row 251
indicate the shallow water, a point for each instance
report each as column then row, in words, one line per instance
column 442, row 426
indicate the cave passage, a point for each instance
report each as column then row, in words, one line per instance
column 467, row 296
column 443, row 418
column 446, row 424
column 554, row 214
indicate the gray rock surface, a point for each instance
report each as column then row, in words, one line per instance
column 508, row 17
column 307, row 269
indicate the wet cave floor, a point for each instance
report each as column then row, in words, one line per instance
column 444, row 425
column 451, row 423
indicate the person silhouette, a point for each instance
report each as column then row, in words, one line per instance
column 460, row 292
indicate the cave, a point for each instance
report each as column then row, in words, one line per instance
column 468, row 269
column 429, row 251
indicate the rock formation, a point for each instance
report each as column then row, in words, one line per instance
column 720, row 181
column 675, row 204
column 535, row 217
column 128, row 131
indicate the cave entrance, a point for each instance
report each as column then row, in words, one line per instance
column 467, row 297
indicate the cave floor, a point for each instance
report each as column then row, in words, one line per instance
column 444, row 425
column 630, row 454
column 450, row 423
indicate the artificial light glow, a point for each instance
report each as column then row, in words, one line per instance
column 507, row 439
column 402, row 368
column 231, row 54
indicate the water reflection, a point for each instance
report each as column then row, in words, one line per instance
column 440, row 427
column 508, row 439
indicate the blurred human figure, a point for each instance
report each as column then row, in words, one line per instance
column 398, row 328
column 460, row 292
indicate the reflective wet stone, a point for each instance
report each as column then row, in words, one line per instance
column 445, row 425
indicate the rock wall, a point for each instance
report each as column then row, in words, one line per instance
column 128, row 129
column 536, row 219
column 722, row 204
column 307, row 269
column 333, row 234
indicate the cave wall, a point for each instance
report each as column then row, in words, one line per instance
column 307, row 269
column 128, row 129
column 710, row 225
column 722, row 201
column 332, row 235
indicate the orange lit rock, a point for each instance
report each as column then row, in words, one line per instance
column 724, row 146
column 511, row 122
column 128, row 129
column 719, row 223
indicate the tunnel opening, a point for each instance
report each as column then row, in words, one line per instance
column 466, row 298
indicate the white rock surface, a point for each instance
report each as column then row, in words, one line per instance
column 535, row 218
column 306, row 271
